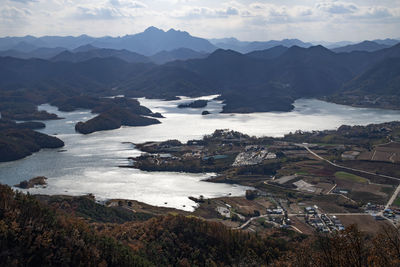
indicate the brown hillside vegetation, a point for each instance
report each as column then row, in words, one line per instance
column 38, row 234
column 347, row 248
column 189, row 241
column 34, row 235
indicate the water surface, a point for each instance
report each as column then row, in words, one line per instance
column 89, row 163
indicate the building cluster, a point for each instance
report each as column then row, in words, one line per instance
column 253, row 155
column 322, row 222
column 279, row 216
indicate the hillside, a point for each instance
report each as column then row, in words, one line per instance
column 79, row 55
column 382, row 78
column 70, row 231
column 176, row 54
column 113, row 119
column 94, row 75
column 260, row 81
column 112, row 112
column 33, row 233
column 368, row 46
column 270, row 53
column 154, row 40
column 18, row 141
column 377, row 87
column 42, row 53
column 148, row 42
column 247, row 47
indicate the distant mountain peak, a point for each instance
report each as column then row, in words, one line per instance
column 153, row 29
column 225, row 52
column 84, row 48
column 320, row 48
column 367, row 42
column 289, row 39
column 172, row 30
column 295, row 48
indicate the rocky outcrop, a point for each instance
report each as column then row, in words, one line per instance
column 36, row 181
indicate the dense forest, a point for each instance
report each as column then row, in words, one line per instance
column 74, row 232
column 18, row 140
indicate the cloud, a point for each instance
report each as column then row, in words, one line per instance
column 127, row 3
column 377, row 13
column 250, row 20
column 231, row 11
column 103, row 13
column 11, row 13
column 112, row 9
column 204, row 12
column 337, row 7
column 269, row 13
column 24, row 1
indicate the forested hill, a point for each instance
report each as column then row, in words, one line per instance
column 280, row 79
column 36, row 234
column 70, row 231
column 379, row 86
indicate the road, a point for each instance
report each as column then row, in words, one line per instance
column 249, row 221
column 330, row 191
column 263, row 216
column 344, row 167
column 392, row 198
column 390, row 202
column 331, row 214
column 295, row 214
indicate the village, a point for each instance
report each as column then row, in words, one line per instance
column 306, row 182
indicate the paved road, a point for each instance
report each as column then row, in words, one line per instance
column 390, row 202
column 349, row 214
column 331, row 214
column 344, row 167
column 249, row 221
column 392, row 198
column 263, row 216
column 330, row 191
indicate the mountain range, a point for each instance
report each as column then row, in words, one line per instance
column 148, row 43
column 166, row 64
column 259, row 81
column 89, row 52
column 368, row 46
column 246, row 47
column 158, row 45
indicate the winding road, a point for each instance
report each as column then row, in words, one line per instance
column 395, row 193
column 388, row 204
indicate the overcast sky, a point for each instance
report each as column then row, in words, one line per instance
column 247, row 20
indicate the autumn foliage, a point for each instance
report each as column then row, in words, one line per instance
column 34, row 233
column 347, row 248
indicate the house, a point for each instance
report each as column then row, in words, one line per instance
column 350, row 155
column 310, row 210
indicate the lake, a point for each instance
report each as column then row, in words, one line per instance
column 89, row 163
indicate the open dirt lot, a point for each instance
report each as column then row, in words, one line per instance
column 365, row 222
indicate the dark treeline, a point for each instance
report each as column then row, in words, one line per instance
column 34, row 233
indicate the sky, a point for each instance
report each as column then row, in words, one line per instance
column 307, row 20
